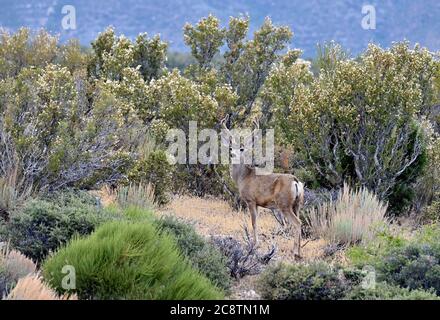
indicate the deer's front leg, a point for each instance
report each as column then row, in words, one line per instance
column 254, row 212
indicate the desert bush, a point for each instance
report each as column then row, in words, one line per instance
column 32, row 287
column 72, row 198
column 360, row 119
column 428, row 186
column 127, row 260
column 317, row 281
column 243, row 259
column 42, row 225
column 157, row 171
column 385, row 291
column 111, row 54
column 352, row 218
column 13, row 266
column 24, row 49
column 57, row 139
column 203, row 255
column 61, row 127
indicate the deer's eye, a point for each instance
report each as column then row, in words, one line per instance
column 242, row 149
column 230, row 148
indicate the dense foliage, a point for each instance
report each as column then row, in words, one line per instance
column 359, row 119
column 70, row 117
column 321, row 281
column 385, row 291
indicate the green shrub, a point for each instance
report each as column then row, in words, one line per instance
column 385, row 291
column 413, row 263
column 431, row 213
column 155, row 170
column 203, row 255
column 72, row 198
column 370, row 254
column 128, row 260
column 352, row 218
column 416, row 266
column 317, row 281
column 42, row 225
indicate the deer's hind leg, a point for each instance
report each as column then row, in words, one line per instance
column 295, row 223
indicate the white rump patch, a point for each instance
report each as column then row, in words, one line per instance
column 297, row 189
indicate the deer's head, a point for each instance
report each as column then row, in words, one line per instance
column 240, row 149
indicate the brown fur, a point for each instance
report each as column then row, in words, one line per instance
column 272, row 191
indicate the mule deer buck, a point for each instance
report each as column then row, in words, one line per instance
column 280, row 192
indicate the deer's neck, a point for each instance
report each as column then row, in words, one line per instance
column 239, row 172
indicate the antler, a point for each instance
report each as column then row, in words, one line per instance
column 256, row 123
column 223, row 123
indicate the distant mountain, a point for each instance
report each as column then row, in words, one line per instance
column 312, row 21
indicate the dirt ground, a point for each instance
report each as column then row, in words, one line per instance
column 212, row 216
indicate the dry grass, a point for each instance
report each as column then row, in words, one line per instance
column 32, row 287
column 13, row 190
column 22, row 270
column 106, row 195
column 352, row 218
column 16, row 264
column 212, row 216
column 136, row 194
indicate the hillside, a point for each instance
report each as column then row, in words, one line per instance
column 312, row 21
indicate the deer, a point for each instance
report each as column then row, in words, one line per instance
column 275, row 191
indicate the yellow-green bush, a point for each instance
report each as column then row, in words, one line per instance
column 203, row 255
column 128, row 260
column 359, row 119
